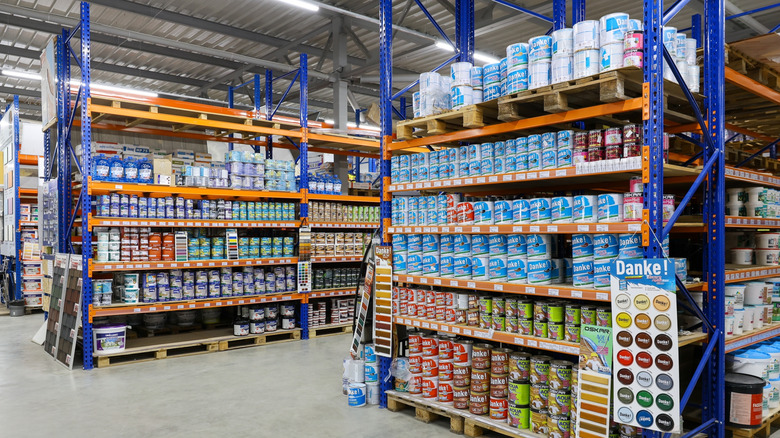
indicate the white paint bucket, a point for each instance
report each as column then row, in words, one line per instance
column 460, row 74
column 670, row 38
column 756, row 209
column 756, row 194
column 767, row 257
column 635, row 25
column 693, row 78
column 562, row 69
column 562, row 209
column 601, row 274
column 767, row 240
column 516, row 57
column 356, row 371
column 416, row 104
column 476, row 95
column 690, row 51
column 372, row 372
column 357, row 395
column 739, row 319
column 729, row 325
column 586, row 63
column 741, row 256
column 605, row 246
column 109, row 339
column 755, row 293
column 632, row 207
column 538, row 247
column 462, row 95
column 586, row 35
column 372, row 396
column 563, row 42
column 538, row 74
column 680, row 46
column 585, row 208
column 479, row 268
column 540, row 271
column 582, row 273
column 610, row 207
column 491, row 75
column 517, row 80
column 611, row 56
column 539, row 48
column 750, row 362
column 613, row 28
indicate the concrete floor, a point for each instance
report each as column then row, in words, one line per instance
column 292, row 388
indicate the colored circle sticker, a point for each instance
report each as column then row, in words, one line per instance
column 623, row 319
column 663, row 323
column 642, row 302
column 644, row 340
column 663, row 381
column 625, row 395
column 644, row 379
column 662, row 303
column 644, row 359
column 625, row 376
column 663, row 342
column 644, row 418
column 623, row 301
column 664, row 422
column 625, row 414
column 664, row 402
column 664, row 362
column 642, row 321
column 624, row 338
column 625, row 357
column 644, row 398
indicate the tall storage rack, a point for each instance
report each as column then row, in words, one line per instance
column 711, row 367
column 93, row 111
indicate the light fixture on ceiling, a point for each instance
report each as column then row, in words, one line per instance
column 302, row 4
column 22, row 75
column 478, row 56
column 102, row 89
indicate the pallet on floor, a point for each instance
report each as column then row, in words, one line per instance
column 773, row 419
column 190, row 343
column 330, row 330
column 472, row 116
column 612, row 86
column 425, row 410
column 476, row 425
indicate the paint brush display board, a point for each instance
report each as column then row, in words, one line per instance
column 645, row 354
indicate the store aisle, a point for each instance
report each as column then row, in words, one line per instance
column 291, row 388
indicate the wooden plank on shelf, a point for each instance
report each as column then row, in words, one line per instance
column 330, row 330
column 472, row 116
column 260, row 339
column 763, row 431
column 426, row 411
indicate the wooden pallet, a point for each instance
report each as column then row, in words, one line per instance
column 329, row 330
column 612, row 86
column 472, row 116
column 764, row 431
column 424, row 411
column 190, row 343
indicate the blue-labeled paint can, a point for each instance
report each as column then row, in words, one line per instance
column 497, row 244
column 430, row 264
column 549, row 159
column 462, row 244
column 549, row 141
column 479, row 267
column 521, row 145
column 539, row 48
column 510, row 164
column 558, row 274
column 534, row 160
column 399, row 243
column 502, row 211
column 581, row 246
column 463, row 266
column 510, row 147
column 414, row 264
column 630, row 246
column 584, row 209
column 538, row 247
column 568, row 267
column 447, row 244
column 399, row 262
column 516, row 55
column 582, row 273
column 540, row 212
column 414, row 244
column 610, row 207
column 474, row 167
column 534, row 142
column 521, row 162
column 497, row 268
column 540, row 271
column 498, row 164
column 447, row 266
column 601, row 270
column 516, row 270
column 516, row 245
column 485, row 166
column 564, row 157
column 521, row 211
column 480, row 245
column 483, row 213
column 430, row 243
column 561, row 207
column 605, row 246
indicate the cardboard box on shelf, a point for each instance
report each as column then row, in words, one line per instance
column 163, row 172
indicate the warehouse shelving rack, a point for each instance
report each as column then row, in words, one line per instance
column 711, row 367
column 165, row 117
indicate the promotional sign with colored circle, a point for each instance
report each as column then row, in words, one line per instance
column 644, row 308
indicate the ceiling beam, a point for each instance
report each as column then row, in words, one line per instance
column 746, row 20
column 446, row 5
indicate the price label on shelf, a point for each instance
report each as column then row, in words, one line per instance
column 481, row 180
column 603, row 227
column 454, row 283
column 467, row 332
column 493, row 179
column 498, row 286
column 447, row 183
column 560, row 172
column 530, row 290
column 434, row 326
column 455, row 329
column 476, row 229
column 506, row 177
column 426, row 325
column 531, row 175
column 437, row 183
column 533, row 228
column 494, row 229
column 585, row 228
column 552, row 228
column 471, row 285
column 520, row 176
column 468, row 180
column 437, row 281
column 517, row 229
column 602, row 296
column 531, row 343
column 544, row 174
column 423, row 280
column 576, row 294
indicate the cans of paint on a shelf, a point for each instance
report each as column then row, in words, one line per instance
column 690, row 51
column 516, row 245
column 634, row 41
column 462, row 244
column 517, row 270
column 585, row 208
column 581, row 246
column 517, row 80
column 610, row 207
column 601, row 274
column 561, row 207
column 497, row 244
column 605, row 246
column 357, row 395
column 491, row 75
column 632, row 206
column 502, row 210
column 630, row 246
column 539, row 49
column 562, row 42
column 562, row 69
column 582, row 275
column 668, row 206
column 549, row 159
column 539, row 74
column 680, row 47
column 670, row 38
column 465, row 212
column 539, row 211
column 479, row 269
column 540, row 271
column 632, row 58
column 480, row 245
column 483, row 213
column 460, row 74
column 516, row 57
column 521, row 211
column 586, row 35
column 497, row 268
column 430, row 243
column 476, row 77
column 586, row 63
column 611, row 56
column 613, row 28
column 461, row 95
column 447, row 266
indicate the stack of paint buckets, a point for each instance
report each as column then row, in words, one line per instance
column 539, row 61
column 612, row 33
column 550, row 395
column 516, row 68
column 683, row 50
column 361, row 378
column 371, row 374
column 491, row 81
column 477, row 86
column 586, row 49
column 461, row 90
column 562, row 55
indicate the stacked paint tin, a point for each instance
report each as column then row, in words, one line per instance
column 517, row 68
column 683, row 51
column 586, row 49
column 562, row 68
column 519, row 390
column 539, row 61
column 491, row 81
column 479, row 393
column 763, row 202
column 559, row 402
column 461, row 89
column 434, row 97
column 612, row 32
column 371, row 374
column 477, row 85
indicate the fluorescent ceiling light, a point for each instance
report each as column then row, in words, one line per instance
column 445, row 46
column 487, row 59
column 111, row 89
column 302, row 4
column 22, row 75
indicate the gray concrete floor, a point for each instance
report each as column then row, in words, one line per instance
column 291, row 388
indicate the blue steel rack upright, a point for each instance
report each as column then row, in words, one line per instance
column 15, row 256
column 711, row 367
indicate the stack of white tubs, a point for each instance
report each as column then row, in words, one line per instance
column 461, row 90
column 476, row 84
column 539, row 61
column 586, row 49
column 612, row 32
column 683, row 50
column 562, row 55
column 517, row 68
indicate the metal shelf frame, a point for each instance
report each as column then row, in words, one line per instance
column 15, row 256
column 711, row 367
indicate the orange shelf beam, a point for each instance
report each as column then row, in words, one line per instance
column 344, row 198
column 30, row 160
column 199, row 223
column 104, row 188
column 147, row 266
column 752, row 86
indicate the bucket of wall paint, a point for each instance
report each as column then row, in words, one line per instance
column 613, row 28
column 516, row 57
column 586, row 63
column 372, row 393
column 611, row 56
column 744, row 390
column 357, row 395
column 109, row 339
column 562, row 42
column 586, row 35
